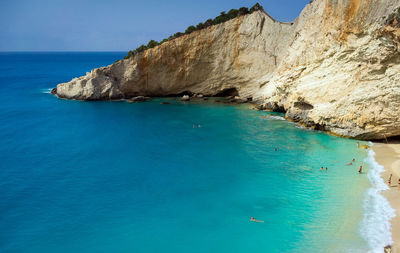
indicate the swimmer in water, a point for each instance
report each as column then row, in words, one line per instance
column 276, row 149
column 322, row 168
column 360, row 170
column 353, row 160
column 349, row 164
column 326, row 168
column 253, row 219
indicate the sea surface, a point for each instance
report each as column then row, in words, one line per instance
column 180, row 177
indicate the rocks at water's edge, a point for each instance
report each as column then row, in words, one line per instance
column 138, row 99
column 238, row 99
column 185, row 98
column 336, row 67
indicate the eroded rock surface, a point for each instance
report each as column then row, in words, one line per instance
column 337, row 67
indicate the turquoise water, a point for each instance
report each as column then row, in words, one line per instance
column 119, row 177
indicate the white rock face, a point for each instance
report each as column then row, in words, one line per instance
column 337, row 67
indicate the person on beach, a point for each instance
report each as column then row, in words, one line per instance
column 390, row 180
column 360, row 170
column 399, row 182
column 253, row 219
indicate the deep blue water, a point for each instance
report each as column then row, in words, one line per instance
column 119, row 177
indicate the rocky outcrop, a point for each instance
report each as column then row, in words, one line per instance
column 230, row 56
column 138, row 99
column 341, row 73
column 335, row 68
column 185, row 98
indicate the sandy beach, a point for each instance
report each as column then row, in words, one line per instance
column 388, row 155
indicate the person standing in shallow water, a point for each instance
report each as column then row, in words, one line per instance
column 322, row 168
column 360, row 170
column 326, row 168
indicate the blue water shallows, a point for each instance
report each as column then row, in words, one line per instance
column 146, row 177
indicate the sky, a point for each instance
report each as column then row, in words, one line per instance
column 112, row 25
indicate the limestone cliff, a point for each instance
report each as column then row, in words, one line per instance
column 336, row 67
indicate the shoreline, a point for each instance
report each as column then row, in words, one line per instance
column 388, row 156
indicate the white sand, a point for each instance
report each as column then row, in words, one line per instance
column 388, row 155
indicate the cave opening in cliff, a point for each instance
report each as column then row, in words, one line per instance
column 230, row 92
column 390, row 140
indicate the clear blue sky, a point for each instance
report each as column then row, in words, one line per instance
column 112, row 25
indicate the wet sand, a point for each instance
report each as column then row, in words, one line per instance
column 388, row 155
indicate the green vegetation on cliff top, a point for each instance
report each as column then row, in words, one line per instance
column 223, row 17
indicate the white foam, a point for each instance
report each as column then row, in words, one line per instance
column 375, row 226
column 47, row 91
column 277, row 117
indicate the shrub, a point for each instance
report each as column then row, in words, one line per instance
column 200, row 26
column 164, row 40
column 233, row 13
column 209, row 22
column 190, row 29
column 256, row 7
column 178, row 34
column 141, row 49
column 130, row 53
column 243, row 11
column 152, row 43
column 223, row 17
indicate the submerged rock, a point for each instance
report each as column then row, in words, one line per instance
column 336, row 66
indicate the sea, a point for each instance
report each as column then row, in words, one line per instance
column 114, row 176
